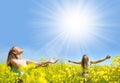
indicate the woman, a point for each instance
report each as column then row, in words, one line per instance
column 15, row 60
column 85, row 61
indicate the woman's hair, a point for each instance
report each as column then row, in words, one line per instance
column 84, row 61
column 14, row 51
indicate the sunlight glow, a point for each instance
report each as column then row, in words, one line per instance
column 77, row 25
column 73, row 26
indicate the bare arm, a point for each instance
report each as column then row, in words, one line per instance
column 44, row 63
column 101, row 60
column 74, row 62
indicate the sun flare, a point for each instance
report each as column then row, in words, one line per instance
column 73, row 26
column 77, row 25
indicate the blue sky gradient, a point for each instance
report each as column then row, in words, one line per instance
column 32, row 25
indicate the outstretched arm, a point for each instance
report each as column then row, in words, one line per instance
column 44, row 63
column 101, row 60
column 74, row 62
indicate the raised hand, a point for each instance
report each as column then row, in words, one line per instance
column 53, row 60
column 108, row 56
column 69, row 61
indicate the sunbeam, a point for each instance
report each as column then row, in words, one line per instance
column 71, row 27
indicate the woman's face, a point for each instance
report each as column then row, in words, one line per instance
column 16, row 50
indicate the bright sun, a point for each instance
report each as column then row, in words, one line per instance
column 77, row 25
column 71, row 26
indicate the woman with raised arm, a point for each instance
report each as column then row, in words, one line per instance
column 85, row 61
column 15, row 60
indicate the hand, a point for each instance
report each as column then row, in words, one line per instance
column 108, row 56
column 69, row 61
column 53, row 60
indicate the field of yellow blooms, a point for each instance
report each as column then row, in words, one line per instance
column 63, row 73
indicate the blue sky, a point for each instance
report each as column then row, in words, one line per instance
column 38, row 26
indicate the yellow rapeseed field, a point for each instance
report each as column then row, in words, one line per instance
column 63, row 73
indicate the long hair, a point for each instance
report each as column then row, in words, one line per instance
column 12, row 54
column 85, row 61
